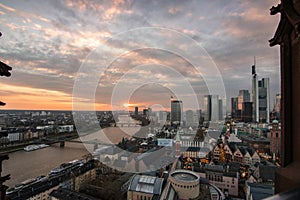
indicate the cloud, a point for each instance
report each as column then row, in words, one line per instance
column 47, row 42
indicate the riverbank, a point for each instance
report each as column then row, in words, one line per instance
column 12, row 149
column 26, row 165
column 18, row 147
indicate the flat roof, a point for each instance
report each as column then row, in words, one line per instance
column 146, row 184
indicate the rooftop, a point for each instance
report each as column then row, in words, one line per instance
column 146, row 184
column 65, row 194
column 260, row 191
column 255, row 138
column 184, row 175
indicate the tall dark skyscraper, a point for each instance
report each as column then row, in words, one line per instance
column 176, row 111
column 260, row 98
column 136, row 111
column 207, row 107
column 247, row 112
column 244, row 96
column 255, row 114
column 234, row 107
column 240, row 107
column 221, row 114
column 264, row 100
column 213, row 108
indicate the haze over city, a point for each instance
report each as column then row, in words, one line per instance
column 46, row 42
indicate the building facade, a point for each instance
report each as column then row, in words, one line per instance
column 223, row 178
column 255, row 114
column 176, row 111
column 185, row 183
column 244, row 96
column 143, row 187
column 260, row 98
column 213, row 108
column 247, row 112
column 234, row 108
column 264, row 100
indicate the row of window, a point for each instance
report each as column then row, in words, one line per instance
column 212, row 177
column 185, row 186
column 143, row 197
column 217, row 178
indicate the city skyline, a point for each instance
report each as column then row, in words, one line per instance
column 46, row 43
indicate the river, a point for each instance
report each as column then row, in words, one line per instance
column 26, row 165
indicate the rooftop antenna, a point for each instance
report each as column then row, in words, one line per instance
column 254, row 61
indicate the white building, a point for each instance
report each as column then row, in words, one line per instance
column 65, row 128
column 13, row 137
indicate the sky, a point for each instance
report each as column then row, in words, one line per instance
column 114, row 54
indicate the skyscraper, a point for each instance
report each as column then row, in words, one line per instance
column 264, row 100
column 136, row 111
column 260, row 98
column 247, row 112
column 221, row 114
column 207, row 107
column 176, row 111
column 189, row 116
column 213, row 108
column 255, row 110
column 234, row 107
column 244, row 96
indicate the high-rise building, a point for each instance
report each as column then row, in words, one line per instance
column 150, row 111
column 176, row 111
column 260, row 98
column 234, row 107
column 238, row 103
column 255, row 114
column 189, row 116
column 162, row 117
column 244, row 96
column 207, row 107
column 196, row 117
column 264, row 100
column 146, row 112
column 221, row 114
column 136, row 111
column 247, row 112
column 213, row 108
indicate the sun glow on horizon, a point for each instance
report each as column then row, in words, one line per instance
column 128, row 105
